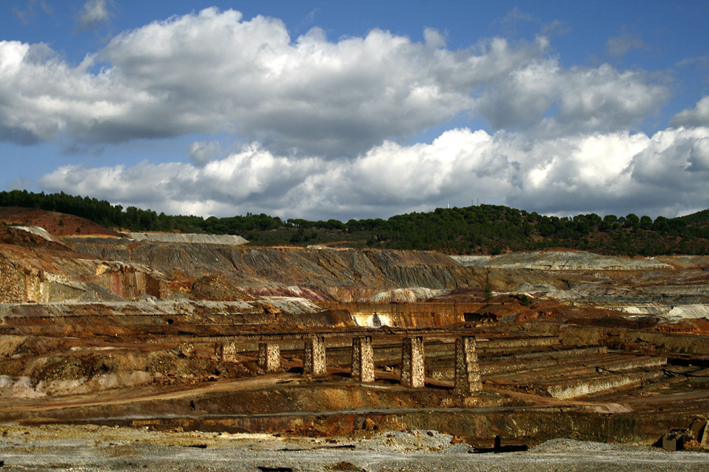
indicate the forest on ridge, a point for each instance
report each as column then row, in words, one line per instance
column 479, row 229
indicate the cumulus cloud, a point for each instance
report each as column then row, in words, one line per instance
column 584, row 99
column 213, row 71
column 616, row 173
column 699, row 156
column 691, row 117
column 244, row 180
column 93, row 14
column 325, row 121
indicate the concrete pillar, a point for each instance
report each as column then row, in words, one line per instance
column 363, row 359
column 412, row 362
column 467, row 369
column 229, row 352
column 314, row 362
column 269, row 356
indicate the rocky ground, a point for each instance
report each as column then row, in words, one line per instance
column 93, row 448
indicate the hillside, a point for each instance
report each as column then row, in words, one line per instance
column 168, row 333
column 57, row 224
column 483, row 229
column 700, row 218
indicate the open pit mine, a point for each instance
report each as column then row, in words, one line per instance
column 207, row 335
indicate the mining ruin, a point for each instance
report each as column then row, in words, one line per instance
column 192, row 333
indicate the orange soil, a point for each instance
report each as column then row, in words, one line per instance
column 57, row 224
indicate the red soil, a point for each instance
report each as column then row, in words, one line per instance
column 57, row 224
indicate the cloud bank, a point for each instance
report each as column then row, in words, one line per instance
column 213, row 71
column 610, row 173
column 325, row 120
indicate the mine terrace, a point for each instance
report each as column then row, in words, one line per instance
column 189, row 333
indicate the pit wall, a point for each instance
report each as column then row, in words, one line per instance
column 128, row 283
column 405, row 315
column 29, row 284
column 42, row 287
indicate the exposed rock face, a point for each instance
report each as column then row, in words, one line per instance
column 561, row 261
column 288, row 266
column 318, row 274
column 40, row 269
column 663, row 285
column 153, row 312
column 110, row 268
column 218, row 287
column 29, row 237
column 188, row 238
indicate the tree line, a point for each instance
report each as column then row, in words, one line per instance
column 481, row 229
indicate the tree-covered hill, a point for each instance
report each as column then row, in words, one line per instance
column 699, row 218
column 483, row 229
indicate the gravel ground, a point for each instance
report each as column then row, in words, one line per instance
column 92, row 448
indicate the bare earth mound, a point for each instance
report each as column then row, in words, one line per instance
column 57, row 224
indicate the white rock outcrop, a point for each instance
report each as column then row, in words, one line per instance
column 228, row 239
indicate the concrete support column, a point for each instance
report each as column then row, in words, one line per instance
column 467, row 369
column 363, row 359
column 229, row 352
column 412, row 362
column 269, row 356
column 314, row 362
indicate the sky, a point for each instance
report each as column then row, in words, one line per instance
column 367, row 109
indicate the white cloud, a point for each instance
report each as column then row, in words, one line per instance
column 326, row 120
column 699, row 156
column 569, row 101
column 212, row 71
column 691, row 117
column 606, row 173
column 93, row 13
column 41, row 97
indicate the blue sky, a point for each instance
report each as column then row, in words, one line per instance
column 312, row 109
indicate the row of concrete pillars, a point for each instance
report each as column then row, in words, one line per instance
column 467, row 369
